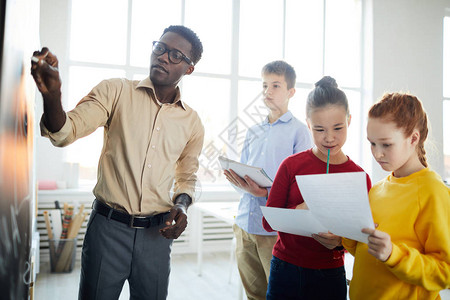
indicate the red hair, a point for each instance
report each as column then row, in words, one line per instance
column 407, row 113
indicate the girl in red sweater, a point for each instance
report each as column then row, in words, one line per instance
column 312, row 267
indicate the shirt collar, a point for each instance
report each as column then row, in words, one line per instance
column 147, row 83
column 286, row 117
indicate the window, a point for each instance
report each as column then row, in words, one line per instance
column 446, row 104
column 316, row 37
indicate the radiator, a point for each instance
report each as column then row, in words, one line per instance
column 217, row 235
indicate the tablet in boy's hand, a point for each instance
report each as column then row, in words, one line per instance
column 257, row 174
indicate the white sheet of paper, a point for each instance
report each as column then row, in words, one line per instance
column 294, row 221
column 339, row 201
column 257, row 174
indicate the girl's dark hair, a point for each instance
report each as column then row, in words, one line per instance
column 407, row 113
column 326, row 92
column 191, row 37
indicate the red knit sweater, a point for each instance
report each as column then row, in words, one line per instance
column 295, row 249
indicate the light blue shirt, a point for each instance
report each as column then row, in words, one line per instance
column 267, row 145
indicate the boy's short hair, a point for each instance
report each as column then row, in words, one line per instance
column 281, row 67
column 191, row 37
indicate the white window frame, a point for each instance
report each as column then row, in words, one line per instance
column 234, row 77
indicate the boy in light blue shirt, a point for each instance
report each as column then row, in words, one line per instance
column 266, row 145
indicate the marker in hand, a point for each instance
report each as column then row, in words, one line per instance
column 36, row 59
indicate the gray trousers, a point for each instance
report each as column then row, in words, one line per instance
column 114, row 252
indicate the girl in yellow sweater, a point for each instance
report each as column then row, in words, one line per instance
column 408, row 255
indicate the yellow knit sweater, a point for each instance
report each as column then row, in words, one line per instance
column 415, row 211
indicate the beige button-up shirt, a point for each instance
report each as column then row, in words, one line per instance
column 150, row 149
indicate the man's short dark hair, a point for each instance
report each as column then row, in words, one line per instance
column 191, row 37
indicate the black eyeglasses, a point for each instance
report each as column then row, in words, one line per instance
column 175, row 56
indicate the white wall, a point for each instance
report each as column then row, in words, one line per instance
column 407, row 56
column 404, row 52
column 54, row 28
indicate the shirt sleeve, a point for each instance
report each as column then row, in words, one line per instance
column 245, row 153
column 60, row 137
column 428, row 267
column 303, row 140
column 89, row 114
column 245, row 149
column 279, row 192
column 349, row 245
column 188, row 164
column 369, row 182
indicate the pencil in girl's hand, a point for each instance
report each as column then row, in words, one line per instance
column 328, row 160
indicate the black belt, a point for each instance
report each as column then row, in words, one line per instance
column 131, row 220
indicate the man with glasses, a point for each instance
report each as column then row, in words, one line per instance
column 152, row 141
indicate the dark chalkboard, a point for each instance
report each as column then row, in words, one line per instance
column 16, row 146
